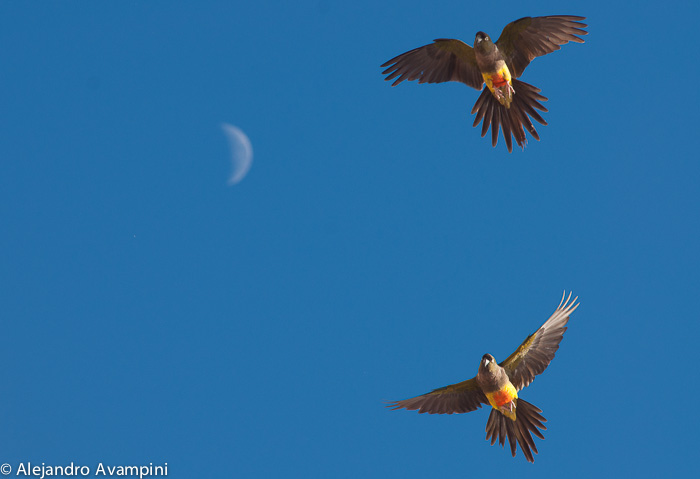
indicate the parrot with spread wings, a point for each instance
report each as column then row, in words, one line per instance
column 506, row 102
column 497, row 384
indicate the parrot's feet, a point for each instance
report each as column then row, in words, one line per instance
column 508, row 407
column 504, row 94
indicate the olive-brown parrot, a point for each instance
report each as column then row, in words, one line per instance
column 498, row 385
column 506, row 101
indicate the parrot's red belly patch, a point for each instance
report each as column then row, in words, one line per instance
column 504, row 396
column 499, row 80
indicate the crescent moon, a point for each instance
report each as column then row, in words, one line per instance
column 241, row 152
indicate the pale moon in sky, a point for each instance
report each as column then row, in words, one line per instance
column 241, row 152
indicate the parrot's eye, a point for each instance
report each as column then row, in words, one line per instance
column 486, row 361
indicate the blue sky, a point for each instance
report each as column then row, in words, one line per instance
column 375, row 250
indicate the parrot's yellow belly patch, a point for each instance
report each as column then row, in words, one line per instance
column 499, row 82
column 497, row 79
column 500, row 398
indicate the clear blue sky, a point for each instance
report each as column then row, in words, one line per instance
column 376, row 249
